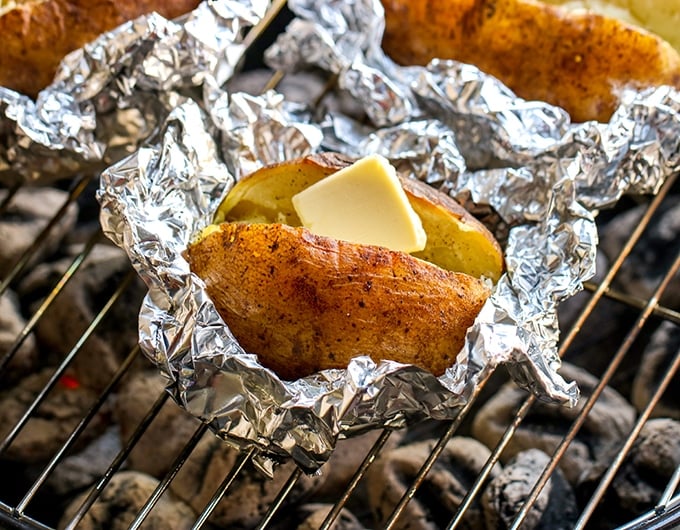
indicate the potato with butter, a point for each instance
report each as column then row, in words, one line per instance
column 305, row 303
column 576, row 55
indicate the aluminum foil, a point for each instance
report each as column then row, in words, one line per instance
column 536, row 174
column 114, row 94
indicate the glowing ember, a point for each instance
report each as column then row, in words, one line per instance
column 69, row 382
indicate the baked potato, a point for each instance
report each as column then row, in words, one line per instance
column 304, row 302
column 577, row 59
column 38, row 34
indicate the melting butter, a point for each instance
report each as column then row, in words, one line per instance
column 362, row 203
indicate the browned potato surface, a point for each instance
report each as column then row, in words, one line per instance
column 304, row 302
column 37, row 34
column 578, row 60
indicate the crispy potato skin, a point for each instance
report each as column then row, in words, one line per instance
column 37, row 35
column 577, row 60
column 305, row 303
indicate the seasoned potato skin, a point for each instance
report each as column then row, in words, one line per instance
column 36, row 35
column 305, row 303
column 577, row 60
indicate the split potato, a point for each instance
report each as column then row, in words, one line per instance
column 578, row 59
column 305, row 303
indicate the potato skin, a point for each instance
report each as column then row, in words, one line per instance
column 577, row 60
column 305, row 303
column 36, row 35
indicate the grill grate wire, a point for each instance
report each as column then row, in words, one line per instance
column 604, row 380
column 665, row 515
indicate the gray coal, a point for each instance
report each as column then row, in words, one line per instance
column 652, row 256
column 81, row 299
column 555, row 508
column 122, row 500
column 52, row 422
column 656, row 361
column 442, row 492
column 28, row 214
column 608, row 422
column 642, row 478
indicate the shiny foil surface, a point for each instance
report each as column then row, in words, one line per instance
column 113, row 94
column 536, row 176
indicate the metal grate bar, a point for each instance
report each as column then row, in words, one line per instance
column 637, row 303
column 65, row 363
column 176, row 466
column 564, row 345
column 287, row 488
column 11, row 192
column 21, row 507
column 273, row 82
column 356, row 478
column 605, row 284
column 243, row 460
column 35, row 318
column 259, row 28
column 604, row 380
column 650, row 521
column 673, row 483
column 607, row 478
column 20, row 521
column 30, row 251
column 436, row 451
column 483, row 475
column 118, row 461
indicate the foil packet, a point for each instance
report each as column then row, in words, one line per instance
column 541, row 178
column 114, row 94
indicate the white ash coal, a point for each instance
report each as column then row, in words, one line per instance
column 656, row 361
column 641, row 480
column 443, row 491
column 343, row 463
column 609, row 421
column 172, row 427
column 120, row 502
column 11, row 323
column 82, row 298
column 652, row 256
column 52, row 422
column 78, row 471
column 555, row 508
column 251, row 495
column 649, row 466
column 248, row 499
column 315, row 514
column 27, row 215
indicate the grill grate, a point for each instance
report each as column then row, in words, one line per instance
column 665, row 515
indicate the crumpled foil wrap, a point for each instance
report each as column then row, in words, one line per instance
column 541, row 177
column 115, row 93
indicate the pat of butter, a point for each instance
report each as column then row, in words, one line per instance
column 362, row 203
